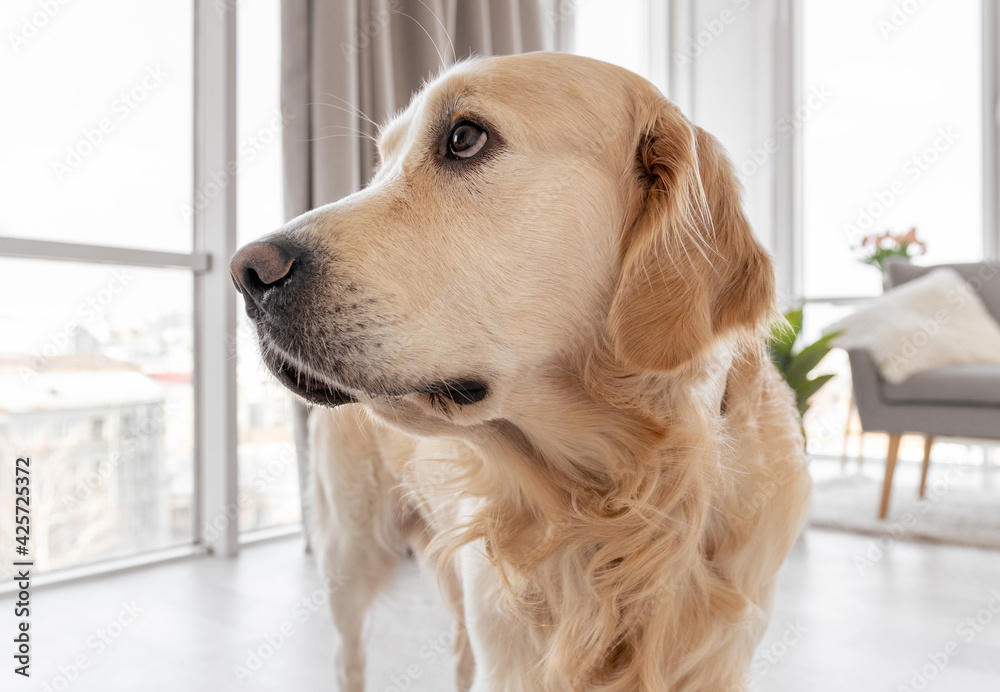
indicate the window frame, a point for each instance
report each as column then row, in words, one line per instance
column 214, row 309
column 215, row 149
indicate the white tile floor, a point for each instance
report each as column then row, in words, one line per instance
column 848, row 630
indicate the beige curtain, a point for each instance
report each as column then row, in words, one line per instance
column 345, row 63
column 349, row 64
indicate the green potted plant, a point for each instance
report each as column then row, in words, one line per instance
column 795, row 366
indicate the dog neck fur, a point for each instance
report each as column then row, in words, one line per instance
column 596, row 514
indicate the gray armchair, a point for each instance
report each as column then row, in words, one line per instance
column 954, row 401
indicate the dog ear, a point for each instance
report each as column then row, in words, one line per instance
column 692, row 270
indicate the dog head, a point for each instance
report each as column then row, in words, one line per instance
column 525, row 208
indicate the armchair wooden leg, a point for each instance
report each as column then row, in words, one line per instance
column 890, row 469
column 928, row 443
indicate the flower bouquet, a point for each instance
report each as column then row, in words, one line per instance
column 878, row 247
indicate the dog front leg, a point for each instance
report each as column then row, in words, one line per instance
column 357, row 534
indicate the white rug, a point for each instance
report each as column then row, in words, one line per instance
column 949, row 514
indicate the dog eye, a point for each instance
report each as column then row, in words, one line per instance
column 466, row 140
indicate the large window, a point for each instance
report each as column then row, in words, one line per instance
column 96, row 360
column 897, row 142
column 893, row 141
column 98, row 382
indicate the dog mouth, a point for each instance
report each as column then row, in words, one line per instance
column 311, row 388
column 316, row 390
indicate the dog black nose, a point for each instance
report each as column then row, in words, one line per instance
column 261, row 266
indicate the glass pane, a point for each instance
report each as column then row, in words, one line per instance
column 99, row 95
column 893, row 135
column 268, row 476
column 95, row 387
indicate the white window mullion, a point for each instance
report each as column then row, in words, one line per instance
column 217, row 510
column 28, row 248
column 787, row 190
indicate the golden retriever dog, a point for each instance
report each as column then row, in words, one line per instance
column 538, row 335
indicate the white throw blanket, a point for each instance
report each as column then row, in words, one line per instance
column 927, row 323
